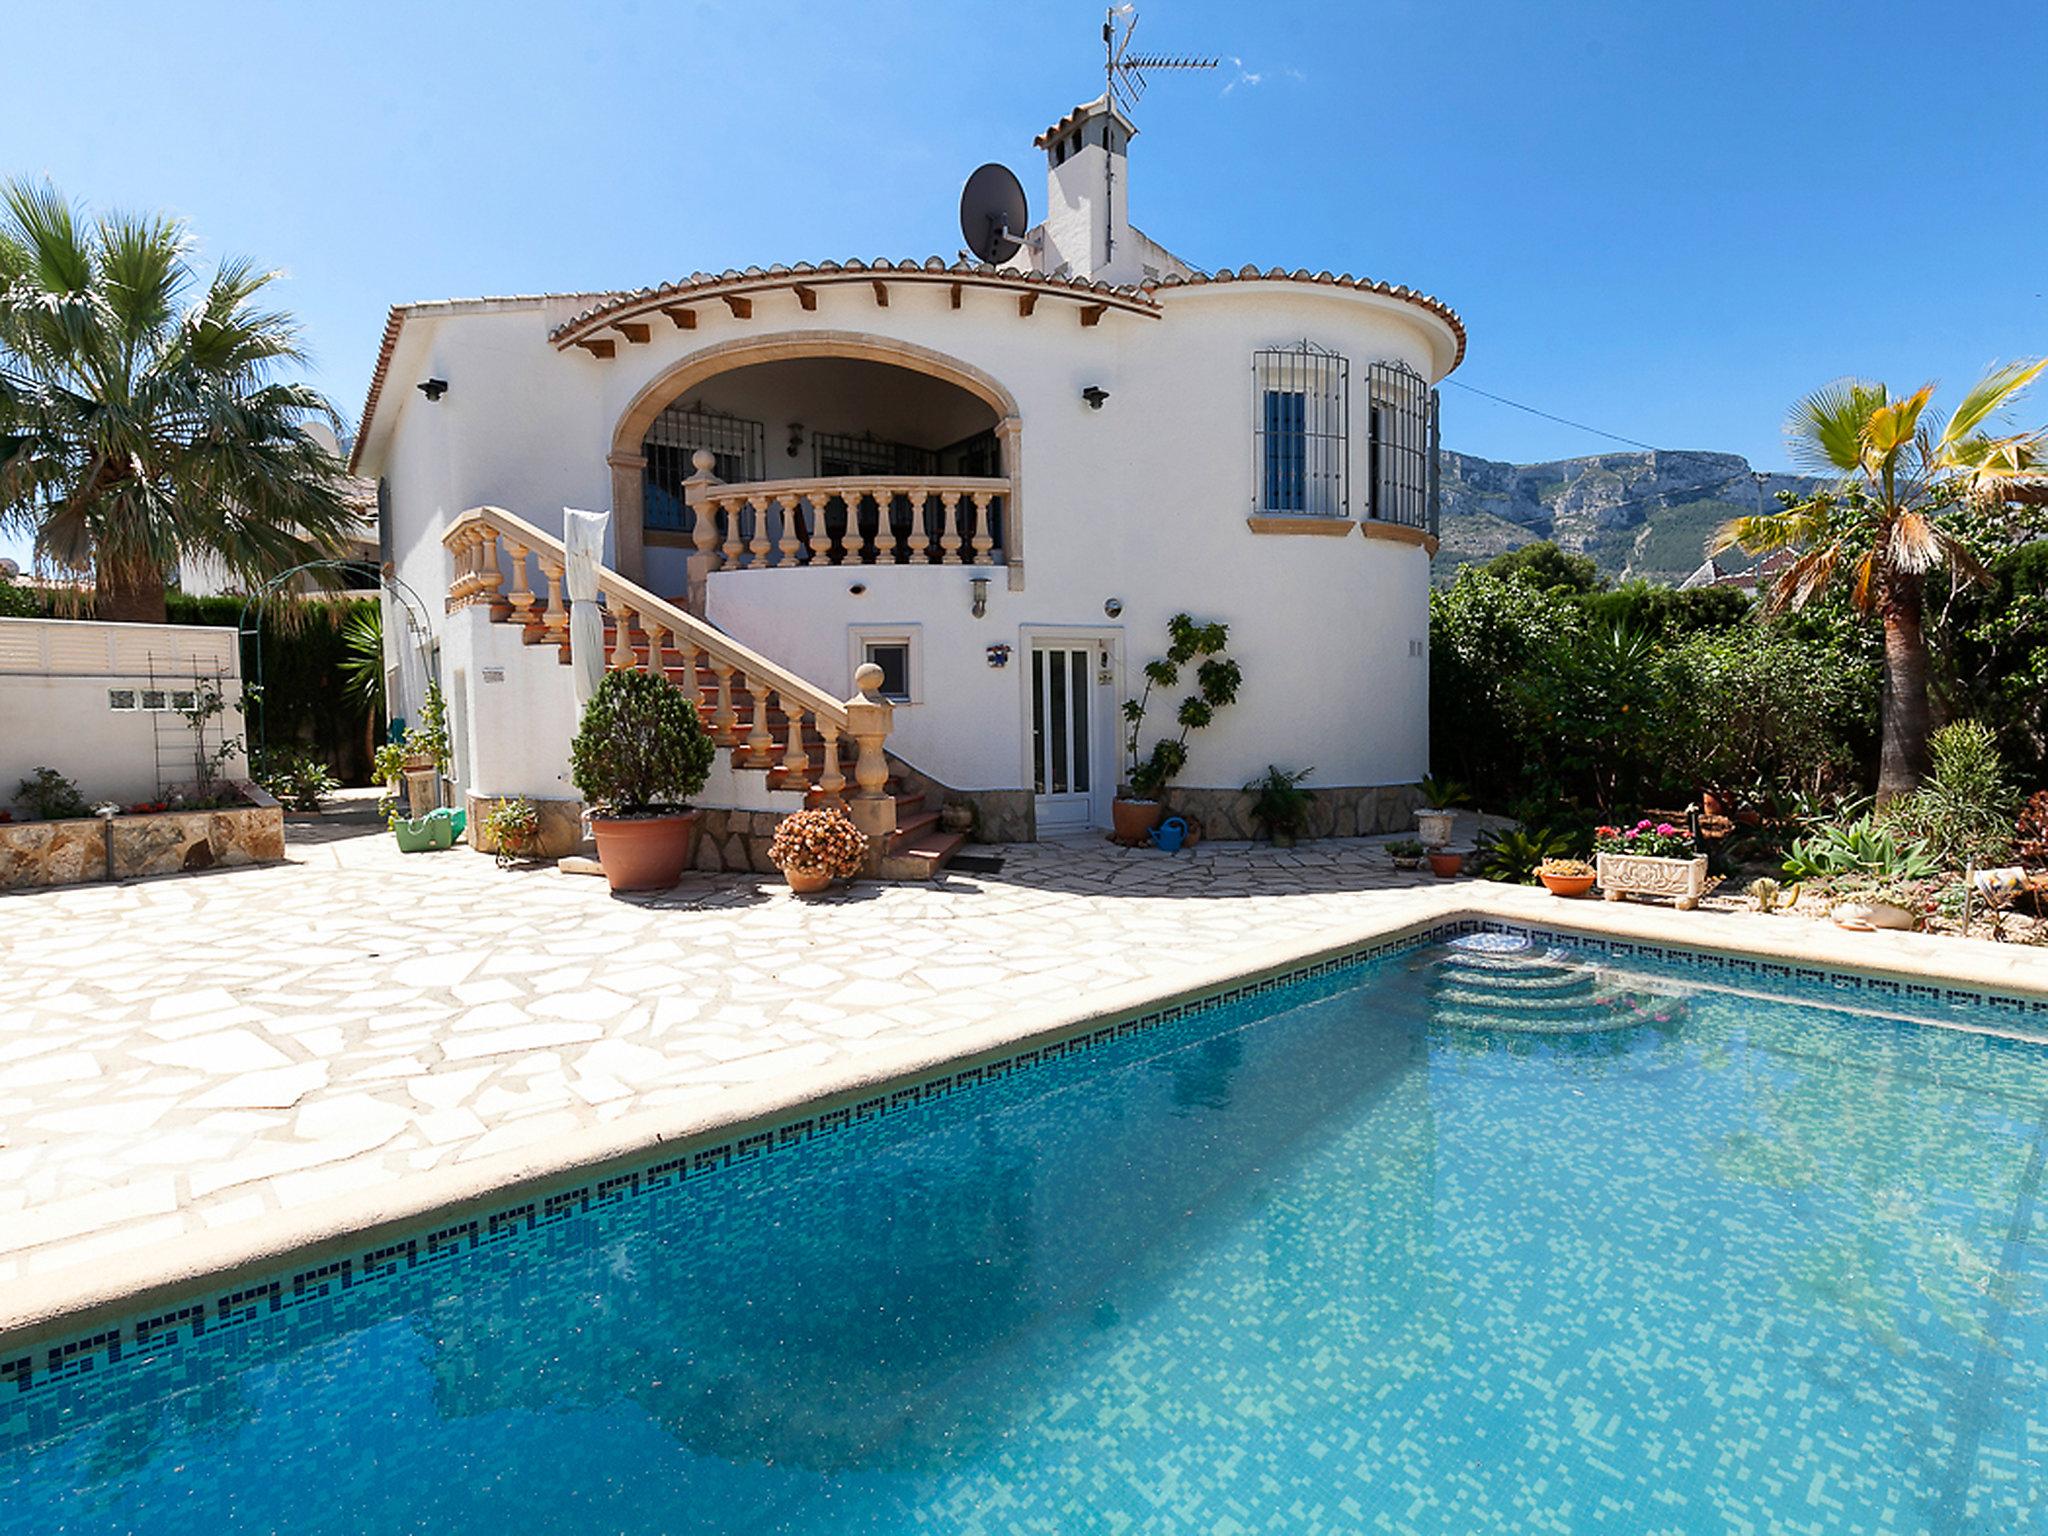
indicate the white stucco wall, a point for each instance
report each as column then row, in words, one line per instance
column 1144, row 501
column 55, row 675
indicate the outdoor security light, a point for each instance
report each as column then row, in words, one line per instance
column 1095, row 394
column 433, row 389
column 980, row 584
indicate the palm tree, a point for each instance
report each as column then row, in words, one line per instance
column 140, row 416
column 1901, row 477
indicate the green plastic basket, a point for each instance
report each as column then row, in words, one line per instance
column 424, row 834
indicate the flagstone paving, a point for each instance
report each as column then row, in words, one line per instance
column 190, row 1054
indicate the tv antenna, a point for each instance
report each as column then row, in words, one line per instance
column 1124, row 71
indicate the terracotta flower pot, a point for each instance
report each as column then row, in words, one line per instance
column 807, row 882
column 1566, row 885
column 1445, row 865
column 1134, row 820
column 645, row 853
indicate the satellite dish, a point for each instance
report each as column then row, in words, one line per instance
column 993, row 217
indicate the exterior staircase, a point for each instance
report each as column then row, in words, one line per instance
column 763, row 718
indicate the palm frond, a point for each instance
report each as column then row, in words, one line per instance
column 1911, row 544
column 1825, row 430
column 1766, row 532
column 1998, row 388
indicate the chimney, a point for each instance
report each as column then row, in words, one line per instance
column 1087, row 195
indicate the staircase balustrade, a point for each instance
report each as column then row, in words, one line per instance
column 495, row 554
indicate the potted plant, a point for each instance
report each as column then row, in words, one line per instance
column 815, row 847
column 1444, row 864
column 640, row 752
column 1280, row 804
column 1895, row 904
column 1566, row 877
column 1406, row 853
column 1649, row 859
column 1440, row 798
column 415, row 763
column 512, row 828
column 1138, row 807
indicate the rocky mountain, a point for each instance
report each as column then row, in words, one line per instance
column 1645, row 515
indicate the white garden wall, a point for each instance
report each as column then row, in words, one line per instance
column 56, row 676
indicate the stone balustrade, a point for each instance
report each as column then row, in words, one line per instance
column 770, row 718
column 844, row 520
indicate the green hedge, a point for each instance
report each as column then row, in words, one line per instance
column 304, row 700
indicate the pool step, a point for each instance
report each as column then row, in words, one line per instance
column 1526, row 990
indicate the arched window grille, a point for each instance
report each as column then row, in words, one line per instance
column 1302, row 445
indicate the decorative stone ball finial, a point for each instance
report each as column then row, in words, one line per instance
column 867, row 678
column 703, row 461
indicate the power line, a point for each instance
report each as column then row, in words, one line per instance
column 1548, row 416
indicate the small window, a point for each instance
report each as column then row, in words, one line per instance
column 893, row 648
column 893, row 657
column 155, row 698
column 121, row 698
column 184, row 701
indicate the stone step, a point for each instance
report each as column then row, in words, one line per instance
column 923, row 858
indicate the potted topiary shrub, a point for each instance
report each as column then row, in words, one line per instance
column 1138, row 807
column 1406, row 853
column 813, row 848
column 640, row 752
column 1280, row 804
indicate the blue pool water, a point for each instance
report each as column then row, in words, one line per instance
column 1454, row 1241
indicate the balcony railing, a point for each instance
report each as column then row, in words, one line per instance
column 847, row 520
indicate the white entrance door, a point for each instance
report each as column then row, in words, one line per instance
column 1065, row 745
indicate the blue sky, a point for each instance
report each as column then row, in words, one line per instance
column 1664, row 221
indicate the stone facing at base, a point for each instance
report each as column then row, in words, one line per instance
column 1347, row 810
column 73, row 852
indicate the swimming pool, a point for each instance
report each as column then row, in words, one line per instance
column 1491, row 1234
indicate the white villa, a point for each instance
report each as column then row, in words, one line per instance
column 994, row 483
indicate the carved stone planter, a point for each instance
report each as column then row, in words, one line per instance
column 1433, row 827
column 1635, row 874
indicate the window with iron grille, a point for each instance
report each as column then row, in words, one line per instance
column 673, row 441
column 1301, row 449
column 841, row 453
column 1401, row 447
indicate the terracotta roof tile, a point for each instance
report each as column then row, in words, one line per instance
column 1251, row 274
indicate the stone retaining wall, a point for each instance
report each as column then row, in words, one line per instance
column 72, row 852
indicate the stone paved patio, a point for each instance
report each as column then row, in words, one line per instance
column 216, row 1068
column 196, row 1053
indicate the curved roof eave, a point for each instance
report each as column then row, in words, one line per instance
column 1428, row 303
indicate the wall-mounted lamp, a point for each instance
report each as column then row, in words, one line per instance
column 433, row 389
column 796, row 438
column 980, row 585
column 1095, row 394
column 1113, row 607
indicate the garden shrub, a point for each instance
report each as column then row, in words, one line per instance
column 1965, row 813
column 641, row 748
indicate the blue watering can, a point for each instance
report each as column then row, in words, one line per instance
column 1169, row 835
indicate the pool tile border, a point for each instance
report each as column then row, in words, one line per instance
column 51, row 1363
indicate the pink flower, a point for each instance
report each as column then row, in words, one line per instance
column 1665, row 829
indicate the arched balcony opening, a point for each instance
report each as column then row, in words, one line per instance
column 835, row 458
